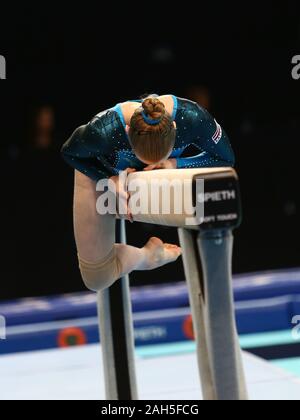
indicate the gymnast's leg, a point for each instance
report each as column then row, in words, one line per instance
column 101, row 261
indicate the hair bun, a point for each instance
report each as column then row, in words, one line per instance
column 154, row 108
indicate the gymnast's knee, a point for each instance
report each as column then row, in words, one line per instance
column 102, row 274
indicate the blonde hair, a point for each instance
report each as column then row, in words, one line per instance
column 152, row 133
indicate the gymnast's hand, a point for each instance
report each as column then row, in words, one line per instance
column 122, row 194
column 166, row 164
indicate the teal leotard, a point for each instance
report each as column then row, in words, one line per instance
column 102, row 149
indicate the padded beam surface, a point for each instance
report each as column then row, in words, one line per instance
column 178, row 177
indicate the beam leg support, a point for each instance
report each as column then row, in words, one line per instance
column 211, row 296
column 117, row 335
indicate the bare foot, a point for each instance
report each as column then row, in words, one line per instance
column 159, row 254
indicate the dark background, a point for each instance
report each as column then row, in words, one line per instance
column 84, row 59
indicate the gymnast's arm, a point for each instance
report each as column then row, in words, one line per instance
column 78, row 153
column 209, row 136
column 203, row 160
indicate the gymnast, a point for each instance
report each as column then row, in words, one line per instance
column 158, row 132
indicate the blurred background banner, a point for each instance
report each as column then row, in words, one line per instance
column 64, row 65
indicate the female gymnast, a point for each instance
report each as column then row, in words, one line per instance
column 159, row 132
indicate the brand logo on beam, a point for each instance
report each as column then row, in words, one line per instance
column 217, row 196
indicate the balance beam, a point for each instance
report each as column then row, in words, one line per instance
column 206, row 239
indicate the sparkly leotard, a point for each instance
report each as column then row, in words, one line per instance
column 102, row 149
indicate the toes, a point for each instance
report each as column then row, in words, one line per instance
column 173, row 251
column 171, row 246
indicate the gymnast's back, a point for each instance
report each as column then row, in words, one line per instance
column 101, row 148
